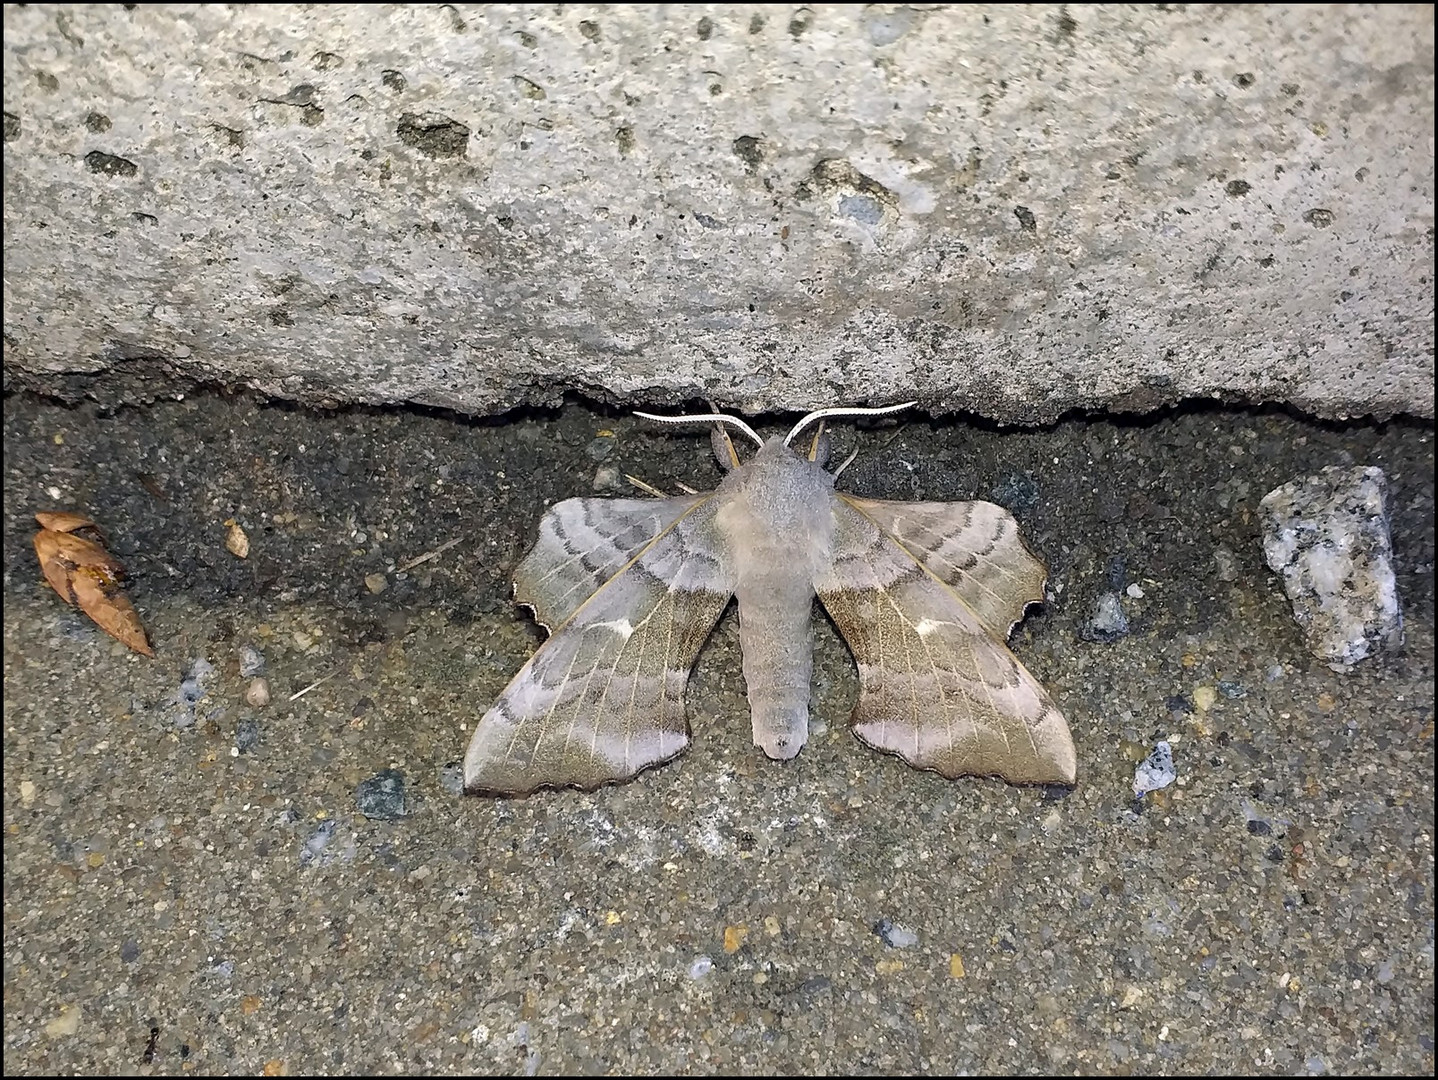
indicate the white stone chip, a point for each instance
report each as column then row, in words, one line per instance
column 1327, row 536
column 1155, row 771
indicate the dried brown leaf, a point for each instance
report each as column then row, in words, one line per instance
column 52, row 565
column 62, row 553
column 111, row 609
column 62, row 521
column 88, row 576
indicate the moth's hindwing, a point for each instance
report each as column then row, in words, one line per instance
column 925, row 617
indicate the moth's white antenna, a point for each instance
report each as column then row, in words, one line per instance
column 707, row 418
column 847, row 462
column 843, row 411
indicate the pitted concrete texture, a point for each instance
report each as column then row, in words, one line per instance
column 1014, row 211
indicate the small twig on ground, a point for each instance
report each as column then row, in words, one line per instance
column 318, row 682
column 436, row 553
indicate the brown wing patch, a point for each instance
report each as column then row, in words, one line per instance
column 603, row 698
column 583, row 543
column 972, row 547
column 938, row 686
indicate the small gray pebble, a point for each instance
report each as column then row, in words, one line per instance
column 894, row 935
column 1155, row 771
column 252, row 662
column 317, row 841
column 1327, row 536
column 257, row 694
column 382, row 796
column 451, row 778
column 247, row 735
column 606, row 478
column 1226, row 563
column 194, row 686
column 1108, row 621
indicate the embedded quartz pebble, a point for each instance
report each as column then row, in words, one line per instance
column 1327, row 535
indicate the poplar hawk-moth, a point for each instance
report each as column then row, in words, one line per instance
column 924, row 593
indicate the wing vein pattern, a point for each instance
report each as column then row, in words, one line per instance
column 925, row 595
column 631, row 588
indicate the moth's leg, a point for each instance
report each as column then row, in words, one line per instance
column 648, row 489
column 819, row 446
column 846, row 463
column 723, row 446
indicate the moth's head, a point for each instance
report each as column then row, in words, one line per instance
column 816, row 451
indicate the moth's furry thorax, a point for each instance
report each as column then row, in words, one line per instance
column 776, row 507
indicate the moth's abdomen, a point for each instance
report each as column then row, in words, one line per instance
column 774, row 633
column 777, row 514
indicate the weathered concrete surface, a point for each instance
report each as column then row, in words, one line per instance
column 1010, row 210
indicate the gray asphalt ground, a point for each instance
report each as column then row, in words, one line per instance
column 191, row 882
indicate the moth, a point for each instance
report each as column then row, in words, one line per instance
column 924, row 593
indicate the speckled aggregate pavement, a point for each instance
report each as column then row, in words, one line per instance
column 192, row 883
